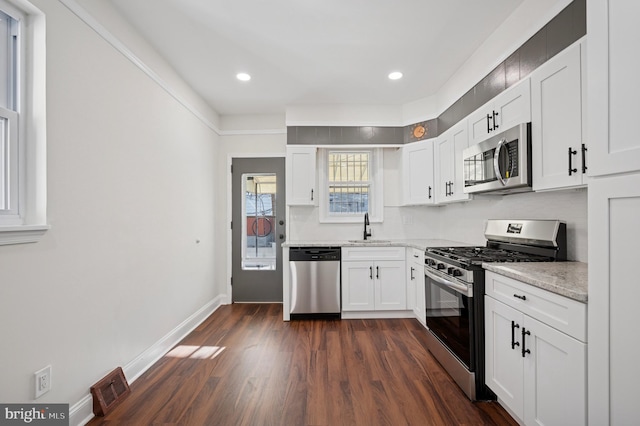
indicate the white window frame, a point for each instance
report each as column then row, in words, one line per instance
column 376, row 207
column 27, row 222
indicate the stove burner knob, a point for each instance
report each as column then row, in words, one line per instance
column 440, row 266
column 457, row 273
column 450, row 270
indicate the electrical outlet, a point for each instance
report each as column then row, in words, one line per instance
column 43, row 381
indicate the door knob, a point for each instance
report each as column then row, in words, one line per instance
column 281, row 222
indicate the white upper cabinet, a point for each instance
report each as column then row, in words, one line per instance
column 417, row 173
column 559, row 156
column 508, row 109
column 449, row 161
column 614, row 107
column 301, row 176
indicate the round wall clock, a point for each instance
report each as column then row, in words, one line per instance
column 419, row 131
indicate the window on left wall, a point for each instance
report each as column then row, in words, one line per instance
column 22, row 123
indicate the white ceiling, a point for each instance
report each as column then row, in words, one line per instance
column 314, row 52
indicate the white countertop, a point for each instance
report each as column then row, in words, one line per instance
column 567, row 279
column 420, row 244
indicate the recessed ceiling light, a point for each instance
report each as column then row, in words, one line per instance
column 243, row 76
column 396, row 75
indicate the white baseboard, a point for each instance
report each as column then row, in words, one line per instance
column 81, row 412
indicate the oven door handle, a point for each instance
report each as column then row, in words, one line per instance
column 460, row 288
column 496, row 162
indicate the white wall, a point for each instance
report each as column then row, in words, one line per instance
column 131, row 187
column 463, row 222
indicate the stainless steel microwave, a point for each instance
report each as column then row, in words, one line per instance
column 501, row 164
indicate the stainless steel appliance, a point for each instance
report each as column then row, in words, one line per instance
column 454, row 292
column 315, row 281
column 501, row 164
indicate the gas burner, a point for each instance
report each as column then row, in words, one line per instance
column 477, row 255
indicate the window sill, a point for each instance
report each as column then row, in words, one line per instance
column 22, row 234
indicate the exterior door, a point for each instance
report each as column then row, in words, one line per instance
column 258, row 212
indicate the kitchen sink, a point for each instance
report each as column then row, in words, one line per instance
column 370, row 241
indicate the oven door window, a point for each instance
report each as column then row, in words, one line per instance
column 449, row 317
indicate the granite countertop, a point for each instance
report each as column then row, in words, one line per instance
column 420, row 244
column 567, row 279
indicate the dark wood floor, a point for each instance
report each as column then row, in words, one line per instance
column 245, row 366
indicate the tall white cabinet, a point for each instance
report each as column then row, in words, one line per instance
column 613, row 62
column 614, row 209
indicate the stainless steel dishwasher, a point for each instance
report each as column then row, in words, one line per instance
column 315, row 282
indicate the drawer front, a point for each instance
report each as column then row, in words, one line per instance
column 564, row 314
column 373, row 253
column 417, row 255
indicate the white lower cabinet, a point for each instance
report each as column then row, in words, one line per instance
column 373, row 279
column 537, row 371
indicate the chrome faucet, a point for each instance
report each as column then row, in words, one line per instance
column 367, row 233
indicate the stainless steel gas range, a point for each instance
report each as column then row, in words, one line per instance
column 454, row 292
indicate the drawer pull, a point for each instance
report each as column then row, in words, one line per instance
column 520, row 297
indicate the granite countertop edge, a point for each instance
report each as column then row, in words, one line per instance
column 420, row 244
column 567, row 279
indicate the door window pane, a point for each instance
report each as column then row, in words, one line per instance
column 259, row 223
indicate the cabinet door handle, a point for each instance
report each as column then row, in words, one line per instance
column 488, row 123
column 572, row 152
column 495, row 126
column 371, row 272
column 513, row 334
column 520, row 297
column 525, row 332
column 450, row 188
column 412, row 277
column 312, row 194
column 377, row 272
column 584, row 158
column 429, row 192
